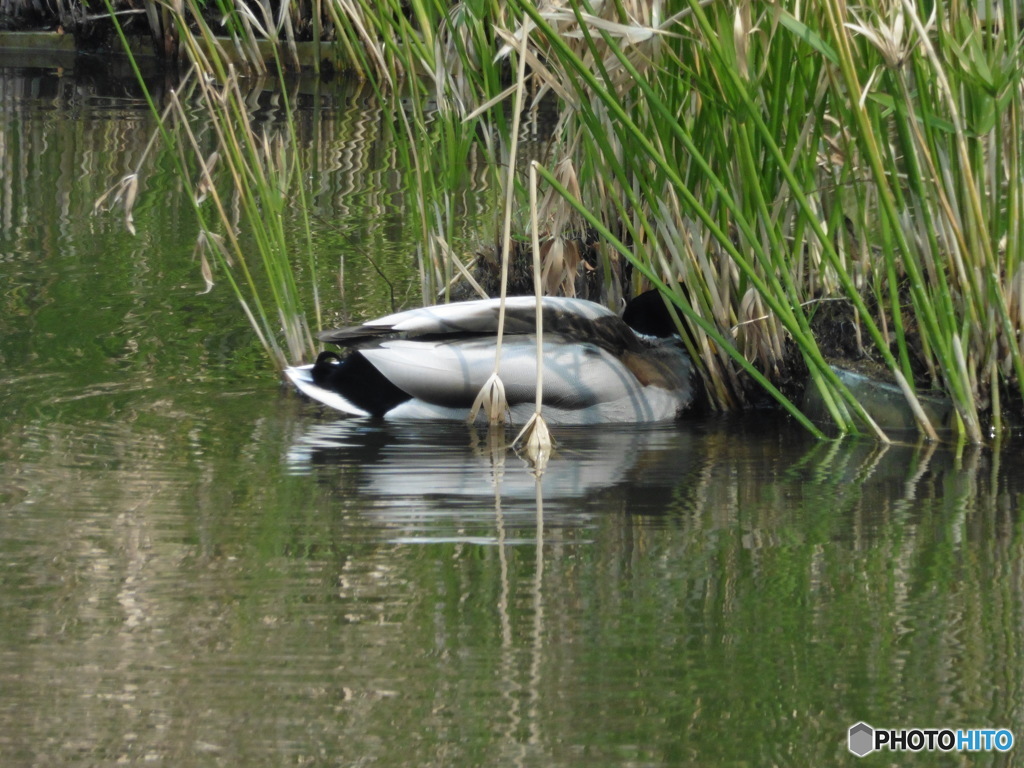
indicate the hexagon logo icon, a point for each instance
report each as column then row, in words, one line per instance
column 861, row 739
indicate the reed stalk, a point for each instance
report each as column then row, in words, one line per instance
column 535, row 436
column 492, row 397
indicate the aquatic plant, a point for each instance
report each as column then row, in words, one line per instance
column 263, row 176
column 774, row 163
column 780, row 171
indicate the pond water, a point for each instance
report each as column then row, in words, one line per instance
column 199, row 568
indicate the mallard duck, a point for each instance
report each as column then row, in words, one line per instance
column 431, row 363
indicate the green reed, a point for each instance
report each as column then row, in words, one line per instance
column 264, row 176
column 771, row 158
column 772, row 163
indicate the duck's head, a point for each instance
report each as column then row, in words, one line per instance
column 648, row 314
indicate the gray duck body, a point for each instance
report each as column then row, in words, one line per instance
column 430, row 363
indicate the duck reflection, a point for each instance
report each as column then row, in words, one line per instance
column 761, row 481
column 456, row 468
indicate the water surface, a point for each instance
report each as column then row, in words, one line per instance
column 199, row 568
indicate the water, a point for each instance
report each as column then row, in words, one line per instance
column 197, row 568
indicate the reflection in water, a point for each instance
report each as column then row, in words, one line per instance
column 430, row 477
column 445, row 471
column 195, row 570
column 255, row 588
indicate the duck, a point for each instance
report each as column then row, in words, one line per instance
column 431, row 362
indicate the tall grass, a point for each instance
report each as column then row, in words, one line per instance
column 263, row 175
column 772, row 162
column 767, row 166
